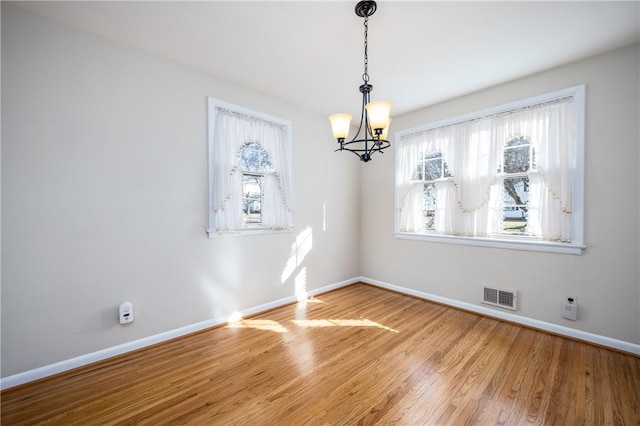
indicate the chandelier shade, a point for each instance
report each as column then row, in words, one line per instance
column 340, row 124
column 385, row 131
column 378, row 113
column 372, row 132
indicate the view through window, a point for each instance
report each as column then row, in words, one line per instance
column 254, row 163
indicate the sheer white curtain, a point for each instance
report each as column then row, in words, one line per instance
column 473, row 161
column 410, row 192
column 276, row 212
column 229, row 135
column 470, row 203
column 232, row 131
column 464, row 204
column 550, row 128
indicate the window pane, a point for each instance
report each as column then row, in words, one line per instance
column 430, row 167
column 520, row 140
column 429, row 209
column 252, row 198
column 251, row 185
column 253, row 158
column 516, row 160
column 515, row 206
column 433, row 168
column 517, row 155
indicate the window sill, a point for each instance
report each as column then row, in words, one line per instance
column 504, row 243
column 245, row 232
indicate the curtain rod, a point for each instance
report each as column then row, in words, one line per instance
column 248, row 117
column 565, row 99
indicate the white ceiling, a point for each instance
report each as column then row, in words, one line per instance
column 311, row 53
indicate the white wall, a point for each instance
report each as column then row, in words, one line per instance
column 104, row 198
column 605, row 279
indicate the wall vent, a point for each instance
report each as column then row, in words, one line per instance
column 500, row 297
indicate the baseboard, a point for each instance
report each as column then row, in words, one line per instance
column 597, row 339
column 83, row 360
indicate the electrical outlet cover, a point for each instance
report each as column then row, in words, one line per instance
column 125, row 313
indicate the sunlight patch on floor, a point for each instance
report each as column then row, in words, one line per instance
column 303, row 303
column 237, row 321
column 342, row 323
column 259, row 324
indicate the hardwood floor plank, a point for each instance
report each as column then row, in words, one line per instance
column 357, row 355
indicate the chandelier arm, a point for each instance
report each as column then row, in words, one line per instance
column 365, row 154
column 367, row 126
column 383, row 144
column 367, row 132
column 360, row 156
column 364, row 89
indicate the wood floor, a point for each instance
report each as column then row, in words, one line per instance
column 358, row 355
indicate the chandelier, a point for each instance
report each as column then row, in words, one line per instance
column 374, row 118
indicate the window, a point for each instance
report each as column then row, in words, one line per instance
column 254, row 162
column 508, row 177
column 249, row 171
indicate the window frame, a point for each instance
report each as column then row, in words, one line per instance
column 514, row 242
column 249, row 228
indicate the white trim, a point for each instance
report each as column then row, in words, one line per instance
column 598, row 339
column 510, row 242
column 212, row 233
column 577, row 203
column 502, row 242
column 83, row 360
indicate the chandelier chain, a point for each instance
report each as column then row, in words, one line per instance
column 365, row 76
